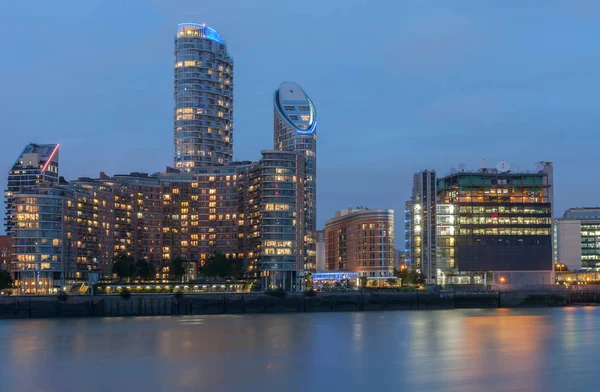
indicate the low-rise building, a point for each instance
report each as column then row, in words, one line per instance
column 361, row 240
column 577, row 239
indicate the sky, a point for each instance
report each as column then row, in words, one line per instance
column 399, row 86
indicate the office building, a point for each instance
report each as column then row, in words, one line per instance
column 420, row 224
column 203, row 114
column 36, row 165
column 577, row 239
column 361, row 240
column 295, row 129
column 494, row 226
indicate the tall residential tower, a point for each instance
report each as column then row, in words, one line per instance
column 295, row 126
column 203, row 116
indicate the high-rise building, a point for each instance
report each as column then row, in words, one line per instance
column 37, row 165
column 361, row 240
column 494, row 226
column 295, row 129
column 203, row 114
column 420, row 220
column 276, row 238
column 577, row 239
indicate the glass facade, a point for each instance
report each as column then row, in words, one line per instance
column 421, row 223
column 37, row 165
column 277, row 227
column 493, row 221
column 203, row 114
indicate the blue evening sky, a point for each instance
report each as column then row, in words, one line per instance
column 399, row 86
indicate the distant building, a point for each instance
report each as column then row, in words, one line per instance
column 361, row 240
column 5, row 252
column 203, row 114
column 577, row 239
column 420, row 222
column 495, row 226
column 321, row 264
column 37, row 165
column 408, row 233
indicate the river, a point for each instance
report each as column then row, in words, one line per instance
column 550, row 349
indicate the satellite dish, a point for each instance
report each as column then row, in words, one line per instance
column 452, row 170
column 503, row 166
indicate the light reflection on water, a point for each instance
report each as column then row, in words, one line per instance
column 456, row 350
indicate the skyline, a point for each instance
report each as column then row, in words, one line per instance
column 119, row 80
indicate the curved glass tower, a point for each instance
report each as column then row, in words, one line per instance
column 203, row 117
column 295, row 123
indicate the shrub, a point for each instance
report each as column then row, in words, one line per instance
column 276, row 293
column 63, row 295
column 310, row 293
column 125, row 294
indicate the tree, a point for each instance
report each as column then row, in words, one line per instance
column 177, row 268
column 124, row 267
column 409, row 277
column 363, row 281
column 217, row 266
column 5, row 279
column 236, row 268
column 144, row 270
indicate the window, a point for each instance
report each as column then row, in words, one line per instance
column 303, row 108
column 294, row 117
column 289, row 107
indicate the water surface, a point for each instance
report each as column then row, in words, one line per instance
column 454, row 350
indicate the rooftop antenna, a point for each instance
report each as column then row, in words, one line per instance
column 483, row 163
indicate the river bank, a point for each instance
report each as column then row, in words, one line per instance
column 202, row 304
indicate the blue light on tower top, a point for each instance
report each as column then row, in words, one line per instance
column 201, row 30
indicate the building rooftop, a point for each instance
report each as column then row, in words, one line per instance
column 582, row 213
column 201, row 30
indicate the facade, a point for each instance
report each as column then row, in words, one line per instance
column 37, row 165
column 421, row 225
column 44, row 245
column 295, row 129
column 362, row 241
column 203, row 114
column 577, row 239
column 276, row 230
column 5, row 252
column 408, row 232
column 495, row 226
column 320, row 267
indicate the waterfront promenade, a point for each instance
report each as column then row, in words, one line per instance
column 235, row 303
